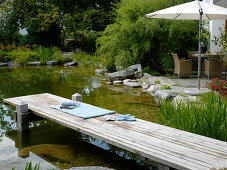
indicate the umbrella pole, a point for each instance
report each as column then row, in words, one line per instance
column 199, row 57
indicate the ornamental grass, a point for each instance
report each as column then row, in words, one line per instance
column 207, row 117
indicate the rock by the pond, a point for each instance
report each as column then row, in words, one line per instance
column 132, row 72
column 101, row 71
column 146, row 76
column 132, row 83
column 36, row 63
column 68, row 64
column 51, row 63
column 118, row 82
column 164, row 94
column 3, row 64
column 108, row 83
column 145, row 84
column 195, row 91
column 153, row 88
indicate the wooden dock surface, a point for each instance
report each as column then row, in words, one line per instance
column 168, row 146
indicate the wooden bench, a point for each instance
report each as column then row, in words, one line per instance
column 167, row 146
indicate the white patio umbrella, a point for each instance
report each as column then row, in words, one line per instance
column 195, row 10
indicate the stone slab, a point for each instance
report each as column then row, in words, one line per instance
column 51, row 63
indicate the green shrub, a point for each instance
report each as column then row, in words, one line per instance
column 146, row 69
column 3, row 56
column 134, row 38
column 157, row 82
column 58, row 56
column 22, row 57
column 165, row 87
column 155, row 73
column 111, row 67
column 207, row 117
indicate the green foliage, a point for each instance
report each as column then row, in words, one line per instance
column 21, row 57
column 153, row 73
column 29, row 166
column 45, row 54
column 24, row 54
column 85, row 40
column 146, row 70
column 110, row 66
column 88, row 60
column 208, row 117
column 134, row 38
column 3, row 56
column 58, row 56
column 221, row 42
column 157, row 82
column 165, row 87
column 51, row 22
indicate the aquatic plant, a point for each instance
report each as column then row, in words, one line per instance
column 45, row 54
column 88, row 59
column 207, row 117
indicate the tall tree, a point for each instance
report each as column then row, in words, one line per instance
column 134, row 38
column 49, row 22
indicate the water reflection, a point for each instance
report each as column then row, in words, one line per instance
column 60, row 146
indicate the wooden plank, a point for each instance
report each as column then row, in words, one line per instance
column 162, row 144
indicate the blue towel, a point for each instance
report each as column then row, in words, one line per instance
column 85, row 110
column 69, row 103
column 126, row 117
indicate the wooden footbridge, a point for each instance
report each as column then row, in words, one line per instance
column 167, row 146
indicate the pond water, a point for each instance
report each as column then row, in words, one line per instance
column 55, row 144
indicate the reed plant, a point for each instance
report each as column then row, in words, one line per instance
column 29, row 167
column 45, row 53
column 207, row 117
column 89, row 60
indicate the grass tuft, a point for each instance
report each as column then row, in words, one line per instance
column 207, row 117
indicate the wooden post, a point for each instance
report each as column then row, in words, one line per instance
column 22, row 117
column 77, row 97
column 21, row 142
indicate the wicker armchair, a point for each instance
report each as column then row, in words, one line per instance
column 182, row 66
column 213, row 66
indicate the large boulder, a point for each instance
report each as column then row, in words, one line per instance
column 132, row 72
column 164, row 95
